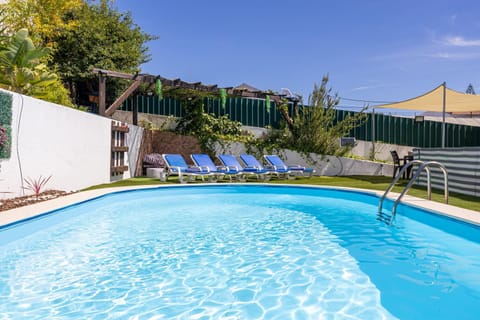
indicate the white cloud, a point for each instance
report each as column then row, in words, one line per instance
column 361, row 88
column 452, row 55
column 453, row 19
column 369, row 87
column 461, row 42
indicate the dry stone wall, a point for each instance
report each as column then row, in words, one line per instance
column 155, row 141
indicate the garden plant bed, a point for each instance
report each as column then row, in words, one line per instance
column 7, row 204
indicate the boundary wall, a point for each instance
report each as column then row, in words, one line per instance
column 71, row 146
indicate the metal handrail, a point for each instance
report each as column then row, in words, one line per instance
column 395, row 180
column 423, row 166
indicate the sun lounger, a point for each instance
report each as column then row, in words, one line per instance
column 206, row 163
column 251, row 161
column 275, row 161
column 232, row 164
column 176, row 166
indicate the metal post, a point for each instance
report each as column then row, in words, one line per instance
column 373, row 134
column 443, row 113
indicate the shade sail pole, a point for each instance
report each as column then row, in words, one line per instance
column 373, row 133
column 443, row 113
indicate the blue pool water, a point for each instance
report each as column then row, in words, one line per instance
column 238, row 252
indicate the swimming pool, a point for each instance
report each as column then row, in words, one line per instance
column 238, row 252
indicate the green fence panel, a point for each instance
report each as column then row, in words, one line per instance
column 476, row 135
column 408, row 132
column 437, row 135
column 388, row 128
column 254, row 112
column 377, row 126
column 369, row 126
column 228, row 109
column 275, row 117
column 391, row 130
column 234, row 113
column 262, row 113
column 242, row 105
column 449, row 135
column 170, row 107
column 456, row 135
column 463, row 135
column 418, row 130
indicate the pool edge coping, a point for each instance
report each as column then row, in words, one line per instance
column 13, row 216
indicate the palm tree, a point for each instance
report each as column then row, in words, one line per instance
column 21, row 67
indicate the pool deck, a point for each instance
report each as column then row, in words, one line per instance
column 11, row 216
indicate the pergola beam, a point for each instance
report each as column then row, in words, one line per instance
column 169, row 83
column 134, row 86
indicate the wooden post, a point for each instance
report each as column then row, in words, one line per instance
column 101, row 93
column 134, row 110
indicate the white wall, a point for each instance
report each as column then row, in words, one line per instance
column 382, row 150
column 47, row 139
column 324, row 165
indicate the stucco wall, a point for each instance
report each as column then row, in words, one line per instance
column 47, row 139
column 382, row 150
column 324, row 165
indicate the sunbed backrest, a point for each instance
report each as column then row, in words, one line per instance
column 204, row 160
column 229, row 160
column 251, row 161
column 276, row 161
column 175, row 160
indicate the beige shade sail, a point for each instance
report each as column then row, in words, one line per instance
column 433, row 101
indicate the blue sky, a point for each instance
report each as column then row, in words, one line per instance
column 381, row 50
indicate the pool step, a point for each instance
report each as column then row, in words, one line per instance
column 385, row 217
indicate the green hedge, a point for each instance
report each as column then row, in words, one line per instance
column 6, row 122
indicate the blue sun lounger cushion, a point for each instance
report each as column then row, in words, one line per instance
column 232, row 164
column 252, row 162
column 177, row 166
column 275, row 161
column 206, row 163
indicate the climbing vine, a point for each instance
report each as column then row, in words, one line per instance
column 208, row 128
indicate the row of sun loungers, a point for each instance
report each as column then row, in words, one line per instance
column 231, row 169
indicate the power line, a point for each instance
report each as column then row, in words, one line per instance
column 359, row 100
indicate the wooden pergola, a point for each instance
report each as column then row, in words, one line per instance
column 139, row 79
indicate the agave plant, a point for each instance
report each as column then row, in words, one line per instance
column 36, row 185
column 21, row 67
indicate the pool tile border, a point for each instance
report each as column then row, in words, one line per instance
column 25, row 213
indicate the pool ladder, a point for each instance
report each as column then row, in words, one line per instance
column 422, row 166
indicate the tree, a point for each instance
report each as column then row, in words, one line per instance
column 21, row 67
column 23, row 70
column 83, row 34
column 314, row 128
column 102, row 38
column 45, row 19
